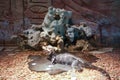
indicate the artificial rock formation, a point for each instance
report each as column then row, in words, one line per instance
column 56, row 30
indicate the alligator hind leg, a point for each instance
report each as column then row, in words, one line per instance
column 74, row 66
column 77, row 65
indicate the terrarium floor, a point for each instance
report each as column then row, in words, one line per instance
column 14, row 66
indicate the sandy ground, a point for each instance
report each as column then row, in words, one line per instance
column 14, row 66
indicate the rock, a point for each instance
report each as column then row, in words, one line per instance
column 41, row 64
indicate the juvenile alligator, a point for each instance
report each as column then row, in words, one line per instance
column 74, row 62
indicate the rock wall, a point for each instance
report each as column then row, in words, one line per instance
column 10, row 18
column 18, row 15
